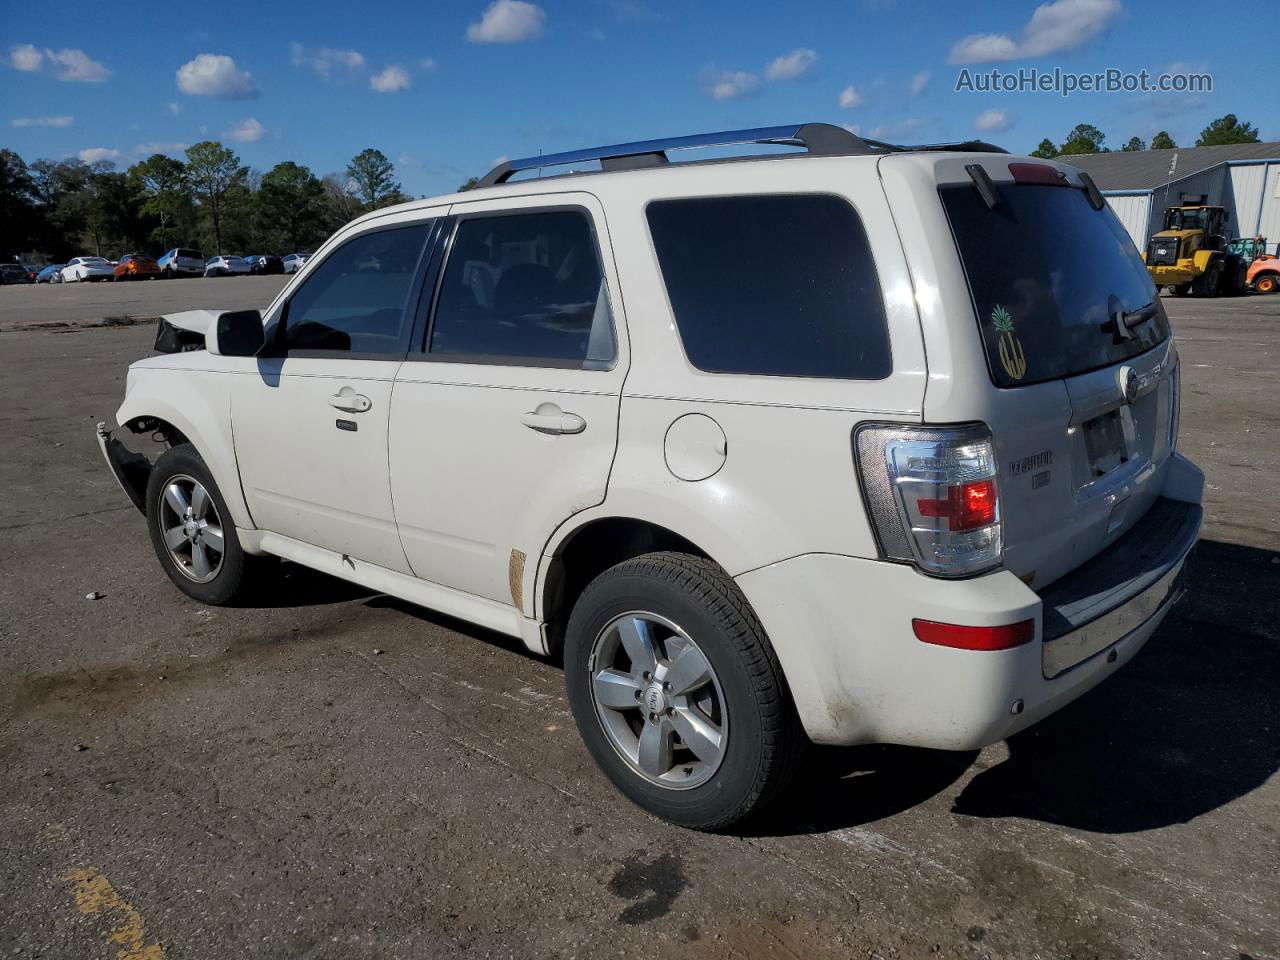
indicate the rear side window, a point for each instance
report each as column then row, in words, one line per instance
column 773, row 285
column 1047, row 274
column 524, row 288
column 360, row 298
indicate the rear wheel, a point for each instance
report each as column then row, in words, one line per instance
column 1267, row 283
column 191, row 528
column 677, row 691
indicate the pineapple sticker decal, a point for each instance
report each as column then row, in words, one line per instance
column 1011, row 356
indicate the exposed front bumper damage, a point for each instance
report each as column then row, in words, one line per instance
column 131, row 470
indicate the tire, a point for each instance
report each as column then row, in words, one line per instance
column 221, row 579
column 1210, row 282
column 686, row 605
column 1267, row 283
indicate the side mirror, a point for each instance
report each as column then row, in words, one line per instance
column 236, row 333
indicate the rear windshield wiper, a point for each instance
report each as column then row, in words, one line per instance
column 1124, row 323
column 987, row 189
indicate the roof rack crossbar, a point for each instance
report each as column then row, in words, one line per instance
column 816, row 138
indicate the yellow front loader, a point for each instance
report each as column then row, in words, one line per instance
column 1190, row 254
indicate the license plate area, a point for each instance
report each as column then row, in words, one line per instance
column 1106, row 442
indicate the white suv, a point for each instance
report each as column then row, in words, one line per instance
column 865, row 444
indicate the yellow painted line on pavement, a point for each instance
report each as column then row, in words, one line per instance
column 95, row 895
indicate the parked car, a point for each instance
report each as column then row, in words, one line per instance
column 295, row 262
column 181, row 262
column 32, row 270
column 11, row 273
column 136, row 266
column 830, row 447
column 260, row 264
column 88, row 268
column 221, row 266
column 50, row 274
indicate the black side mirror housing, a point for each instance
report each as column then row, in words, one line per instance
column 236, row 333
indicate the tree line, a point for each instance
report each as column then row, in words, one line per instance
column 58, row 209
column 1086, row 138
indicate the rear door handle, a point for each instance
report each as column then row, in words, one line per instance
column 347, row 399
column 549, row 418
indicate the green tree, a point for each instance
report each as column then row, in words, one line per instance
column 372, row 178
column 1085, row 138
column 1162, row 141
column 214, row 172
column 1047, row 150
column 18, row 215
column 162, row 183
column 471, row 184
column 1134, row 145
column 1227, row 130
column 292, row 198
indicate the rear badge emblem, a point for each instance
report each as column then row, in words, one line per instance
column 1012, row 358
column 1128, row 381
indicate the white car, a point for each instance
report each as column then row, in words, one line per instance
column 295, row 262
column 87, row 268
column 867, row 444
column 226, row 266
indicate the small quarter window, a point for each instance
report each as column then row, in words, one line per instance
column 359, row 299
column 524, row 288
column 780, row 285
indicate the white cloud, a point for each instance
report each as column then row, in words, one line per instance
column 215, row 75
column 850, row 98
column 75, row 66
column 792, row 65
column 893, row 130
column 993, row 121
column 390, row 80
column 508, row 21
column 1055, row 26
column 95, row 154
column 25, row 57
column 427, row 65
column 147, row 149
column 246, row 132
column 918, row 82
column 325, row 61
column 62, row 121
column 71, row 66
column 728, row 84
column 500, row 160
column 174, row 108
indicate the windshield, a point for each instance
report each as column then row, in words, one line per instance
column 1181, row 218
column 1047, row 274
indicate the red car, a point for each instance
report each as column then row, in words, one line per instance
column 137, row 266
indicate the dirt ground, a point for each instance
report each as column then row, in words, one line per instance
column 181, row 781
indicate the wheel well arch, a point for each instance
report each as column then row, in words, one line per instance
column 156, row 425
column 589, row 551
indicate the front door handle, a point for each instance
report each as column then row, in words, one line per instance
column 549, row 418
column 347, row 399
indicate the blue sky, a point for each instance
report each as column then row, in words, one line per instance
column 447, row 89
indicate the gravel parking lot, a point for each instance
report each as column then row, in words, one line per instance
column 337, row 774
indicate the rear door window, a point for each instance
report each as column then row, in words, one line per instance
column 1047, row 274
column 772, row 285
column 525, row 289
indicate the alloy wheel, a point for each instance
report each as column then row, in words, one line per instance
column 658, row 700
column 191, row 528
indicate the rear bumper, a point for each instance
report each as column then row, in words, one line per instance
column 1172, row 275
column 841, row 627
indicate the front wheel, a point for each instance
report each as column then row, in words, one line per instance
column 192, row 530
column 677, row 692
column 1267, row 283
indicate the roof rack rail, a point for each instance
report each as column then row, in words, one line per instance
column 818, row 138
column 821, row 139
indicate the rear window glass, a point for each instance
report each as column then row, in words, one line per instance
column 1047, row 274
column 772, row 285
column 190, row 254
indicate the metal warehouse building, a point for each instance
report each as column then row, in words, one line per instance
column 1242, row 177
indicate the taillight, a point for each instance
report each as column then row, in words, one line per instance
column 933, row 496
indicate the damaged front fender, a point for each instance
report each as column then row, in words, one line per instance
column 131, row 470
